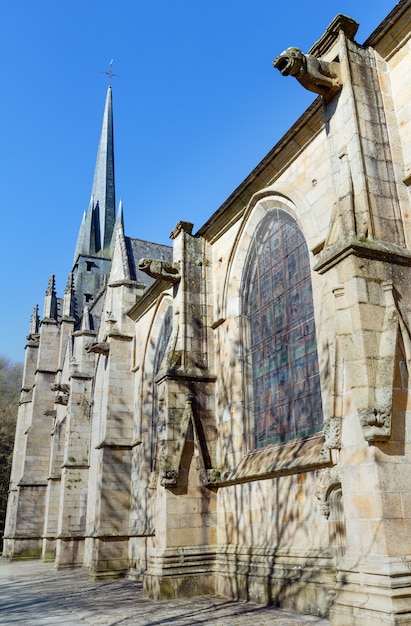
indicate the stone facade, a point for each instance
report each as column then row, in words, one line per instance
column 231, row 415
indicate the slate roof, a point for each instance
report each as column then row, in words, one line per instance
column 138, row 249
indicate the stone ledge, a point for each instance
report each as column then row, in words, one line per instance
column 124, row 444
column 279, row 460
column 376, row 250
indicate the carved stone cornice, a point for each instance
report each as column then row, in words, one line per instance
column 393, row 31
column 341, row 23
column 182, row 226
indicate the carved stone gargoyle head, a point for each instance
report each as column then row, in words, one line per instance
column 314, row 74
column 289, row 62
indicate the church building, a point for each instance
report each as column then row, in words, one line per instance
column 231, row 414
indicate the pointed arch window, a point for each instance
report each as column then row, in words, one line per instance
column 281, row 349
column 159, row 354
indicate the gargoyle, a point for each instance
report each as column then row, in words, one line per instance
column 62, row 387
column 98, row 348
column 314, row 74
column 163, row 270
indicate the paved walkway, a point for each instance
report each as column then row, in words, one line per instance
column 35, row 594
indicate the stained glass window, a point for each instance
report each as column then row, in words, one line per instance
column 282, row 351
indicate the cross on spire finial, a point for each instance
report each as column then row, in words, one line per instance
column 110, row 72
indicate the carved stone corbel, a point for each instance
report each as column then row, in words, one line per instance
column 332, row 433
column 211, row 477
column 376, row 424
column 168, row 476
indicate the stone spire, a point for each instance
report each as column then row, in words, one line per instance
column 34, row 322
column 50, row 300
column 69, row 298
column 119, row 224
column 97, row 227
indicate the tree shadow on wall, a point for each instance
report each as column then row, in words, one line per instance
column 275, row 546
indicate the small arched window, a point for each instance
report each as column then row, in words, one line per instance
column 281, row 351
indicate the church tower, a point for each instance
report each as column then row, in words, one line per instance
column 95, row 240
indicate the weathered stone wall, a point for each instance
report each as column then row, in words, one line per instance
column 153, row 470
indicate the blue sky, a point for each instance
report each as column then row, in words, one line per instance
column 197, row 105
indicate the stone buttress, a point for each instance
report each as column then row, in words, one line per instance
column 181, row 562
column 29, row 480
column 111, row 442
column 365, row 263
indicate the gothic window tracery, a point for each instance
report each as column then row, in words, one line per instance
column 285, row 402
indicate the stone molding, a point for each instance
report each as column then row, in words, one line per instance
column 383, row 251
column 328, row 479
column 270, row 462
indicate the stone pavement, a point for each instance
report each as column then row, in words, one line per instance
column 34, row 593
